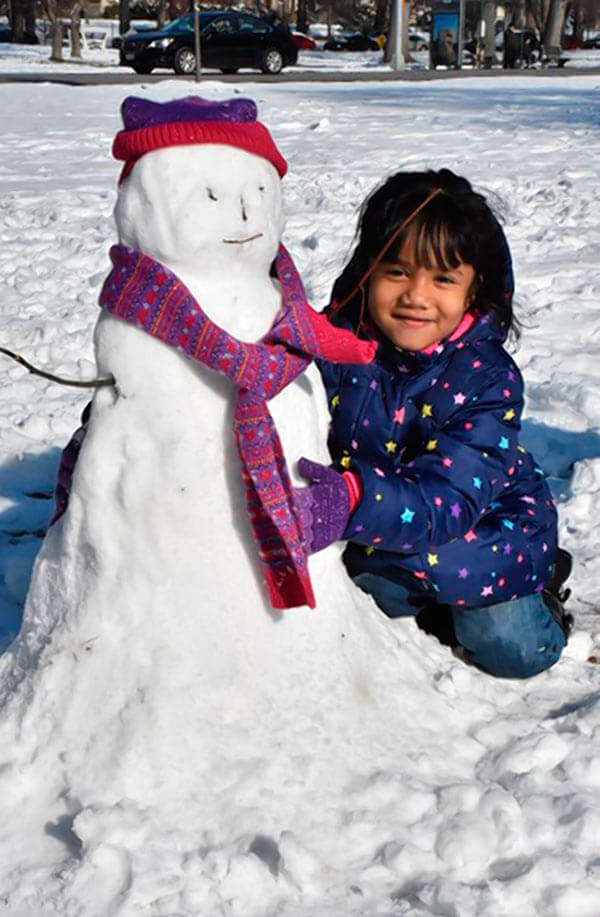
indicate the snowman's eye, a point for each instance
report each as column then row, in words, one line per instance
column 261, row 187
column 212, row 195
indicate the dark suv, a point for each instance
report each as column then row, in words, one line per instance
column 228, row 41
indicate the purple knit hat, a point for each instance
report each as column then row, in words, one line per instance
column 152, row 125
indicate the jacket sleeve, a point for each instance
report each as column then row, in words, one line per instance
column 458, row 474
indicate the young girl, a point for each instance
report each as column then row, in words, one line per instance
column 439, row 503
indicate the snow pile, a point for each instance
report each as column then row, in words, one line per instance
column 174, row 748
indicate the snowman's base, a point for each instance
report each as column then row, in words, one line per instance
column 244, row 802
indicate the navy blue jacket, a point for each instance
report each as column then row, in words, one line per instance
column 449, row 495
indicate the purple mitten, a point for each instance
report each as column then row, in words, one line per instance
column 323, row 506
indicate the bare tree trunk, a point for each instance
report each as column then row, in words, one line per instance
column 28, row 7
column 388, row 51
column 381, row 16
column 591, row 13
column 161, row 14
column 17, row 21
column 578, row 19
column 553, row 29
column 536, row 11
column 302, row 16
column 329, row 17
column 179, row 8
column 51, row 9
column 519, row 17
column 75, row 29
column 124, row 16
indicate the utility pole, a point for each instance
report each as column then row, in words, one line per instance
column 461, row 33
column 197, row 40
column 396, row 33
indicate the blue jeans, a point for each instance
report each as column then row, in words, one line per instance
column 509, row 640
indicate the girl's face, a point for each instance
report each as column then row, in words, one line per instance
column 415, row 306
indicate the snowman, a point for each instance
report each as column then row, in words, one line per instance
column 149, row 634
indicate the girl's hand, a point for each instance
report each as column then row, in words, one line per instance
column 323, row 506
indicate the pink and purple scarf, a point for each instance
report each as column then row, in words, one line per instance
column 148, row 295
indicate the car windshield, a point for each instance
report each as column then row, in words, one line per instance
column 185, row 24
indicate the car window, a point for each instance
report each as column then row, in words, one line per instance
column 249, row 24
column 223, row 26
column 183, row 24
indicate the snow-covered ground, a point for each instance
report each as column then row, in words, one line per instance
column 456, row 795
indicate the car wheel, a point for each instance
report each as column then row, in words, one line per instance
column 143, row 68
column 229, row 69
column 184, row 61
column 272, row 61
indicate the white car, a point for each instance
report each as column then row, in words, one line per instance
column 418, row 41
column 319, row 31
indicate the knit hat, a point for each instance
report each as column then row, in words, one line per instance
column 153, row 125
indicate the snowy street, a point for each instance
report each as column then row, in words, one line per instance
column 454, row 795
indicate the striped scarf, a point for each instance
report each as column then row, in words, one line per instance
column 146, row 294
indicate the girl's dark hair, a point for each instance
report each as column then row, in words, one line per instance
column 455, row 225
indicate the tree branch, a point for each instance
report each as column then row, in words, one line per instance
column 92, row 383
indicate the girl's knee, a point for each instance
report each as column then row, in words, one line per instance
column 512, row 661
column 392, row 598
column 510, row 640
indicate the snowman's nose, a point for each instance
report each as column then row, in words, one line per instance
column 244, row 214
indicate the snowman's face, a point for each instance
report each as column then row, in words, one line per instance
column 209, row 205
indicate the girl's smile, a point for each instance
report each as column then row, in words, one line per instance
column 415, row 306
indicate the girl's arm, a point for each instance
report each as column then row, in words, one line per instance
column 443, row 492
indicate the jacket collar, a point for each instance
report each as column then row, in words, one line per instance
column 485, row 328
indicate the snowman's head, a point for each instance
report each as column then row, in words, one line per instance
column 200, row 185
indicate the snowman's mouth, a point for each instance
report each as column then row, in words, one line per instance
column 242, row 241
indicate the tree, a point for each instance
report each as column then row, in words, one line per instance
column 302, row 16
column 75, row 29
column 519, row 14
column 22, row 16
column 124, row 17
column 553, row 28
column 50, row 7
column 161, row 13
column 382, row 12
column 549, row 18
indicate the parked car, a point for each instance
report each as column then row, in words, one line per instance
column 418, row 41
column 229, row 40
column 303, row 42
column 591, row 40
column 356, row 42
column 320, row 30
column 5, row 33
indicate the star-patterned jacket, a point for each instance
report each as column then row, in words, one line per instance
column 449, row 494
